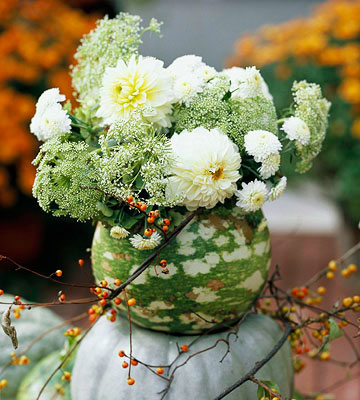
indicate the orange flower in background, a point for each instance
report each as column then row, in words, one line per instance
column 37, row 41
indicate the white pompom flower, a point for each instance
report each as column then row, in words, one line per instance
column 141, row 83
column 50, row 120
column 141, row 243
column 269, row 165
column 189, row 74
column 49, row 98
column 206, row 168
column 260, row 144
column 246, row 82
column 252, row 196
column 278, row 189
column 296, row 129
column 118, row 232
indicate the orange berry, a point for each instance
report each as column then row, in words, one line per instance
column 121, row 353
column 103, row 283
column 134, row 363
column 163, row 263
column 352, row 268
column 165, row 228
column 184, row 348
column 160, row 370
column 356, row 299
column 130, row 381
column 17, row 298
column 330, row 275
column 321, row 290
column 148, row 232
column 165, row 271
column 117, row 282
column 62, row 297
column 93, row 318
column 345, row 273
column 102, row 302
column 143, row 207
column 124, row 364
column 1, row 292
column 81, row 262
column 131, row 302
column 347, row 301
column 325, row 355
column 332, row 265
column 166, row 221
column 294, row 292
column 117, row 301
column 58, row 273
column 344, row 323
column 91, row 311
column 104, row 295
column 129, row 198
column 151, row 220
column 299, row 350
column 97, row 290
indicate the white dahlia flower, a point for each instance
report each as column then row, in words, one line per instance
column 269, row 165
column 252, row 196
column 188, row 63
column 246, row 82
column 206, row 168
column 118, row 232
column 187, row 86
column 278, row 190
column 296, row 129
column 260, row 144
column 140, row 243
column 142, row 82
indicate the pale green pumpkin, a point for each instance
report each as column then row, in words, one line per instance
column 31, row 324
column 33, row 382
column 98, row 375
column 217, row 267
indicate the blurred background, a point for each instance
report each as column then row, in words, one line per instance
column 315, row 221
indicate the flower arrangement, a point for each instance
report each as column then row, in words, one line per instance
column 37, row 41
column 145, row 139
column 328, row 54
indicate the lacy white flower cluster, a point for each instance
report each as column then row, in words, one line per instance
column 184, row 135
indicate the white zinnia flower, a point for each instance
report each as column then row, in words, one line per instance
column 140, row 243
column 186, row 63
column 206, row 168
column 206, row 72
column 269, row 165
column 296, row 129
column 246, row 82
column 51, row 122
column 252, row 196
column 118, row 232
column 278, row 190
column 143, row 82
column 260, row 144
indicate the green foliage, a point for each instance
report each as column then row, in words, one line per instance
column 334, row 331
column 313, row 109
column 213, row 108
column 263, row 393
column 65, row 179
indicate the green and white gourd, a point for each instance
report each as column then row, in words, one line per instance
column 31, row 324
column 98, row 374
column 217, row 267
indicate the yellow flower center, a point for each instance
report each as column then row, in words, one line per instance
column 218, row 174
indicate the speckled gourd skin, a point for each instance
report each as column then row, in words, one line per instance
column 218, row 265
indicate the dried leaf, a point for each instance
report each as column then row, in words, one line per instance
column 8, row 328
